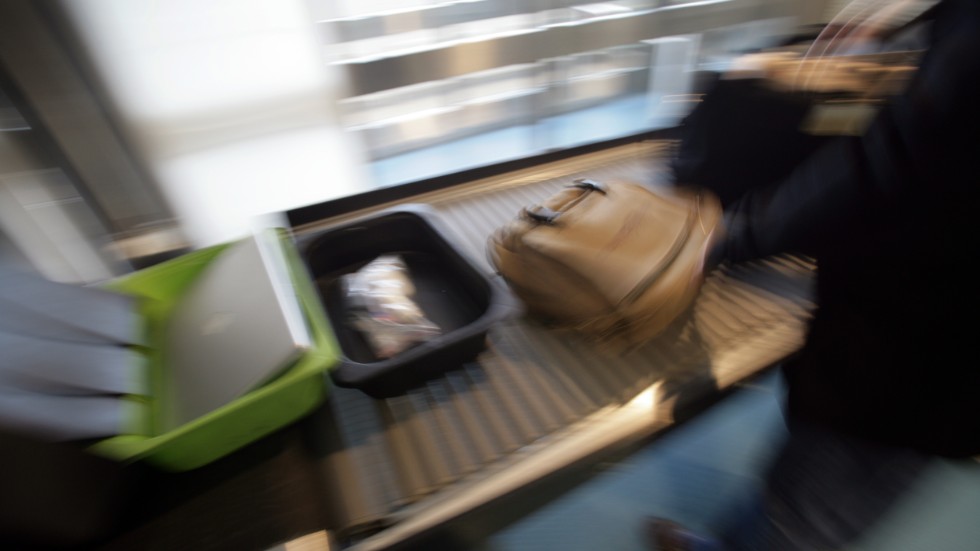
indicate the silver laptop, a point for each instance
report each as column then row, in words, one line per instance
column 238, row 326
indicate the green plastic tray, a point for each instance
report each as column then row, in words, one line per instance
column 260, row 412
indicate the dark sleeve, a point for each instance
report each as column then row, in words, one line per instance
column 923, row 140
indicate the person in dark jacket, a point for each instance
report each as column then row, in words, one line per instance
column 888, row 376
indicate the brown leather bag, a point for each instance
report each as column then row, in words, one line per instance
column 619, row 262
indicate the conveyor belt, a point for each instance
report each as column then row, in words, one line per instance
column 405, row 457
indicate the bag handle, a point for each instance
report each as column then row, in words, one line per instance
column 590, row 185
column 544, row 215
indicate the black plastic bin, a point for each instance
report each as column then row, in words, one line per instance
column 450, row 290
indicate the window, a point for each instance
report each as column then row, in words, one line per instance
column 437, row 87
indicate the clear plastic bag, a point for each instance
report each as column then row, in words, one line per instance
column 381, row 307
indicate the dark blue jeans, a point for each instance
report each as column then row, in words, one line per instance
column 824, row 490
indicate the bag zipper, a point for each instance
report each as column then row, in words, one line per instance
column 672, row 254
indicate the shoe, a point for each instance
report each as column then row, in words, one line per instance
column 666, row 535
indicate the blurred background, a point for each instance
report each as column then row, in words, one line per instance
column 134, row 130
column 130, row 129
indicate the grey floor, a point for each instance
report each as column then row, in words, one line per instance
column 696, row 474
